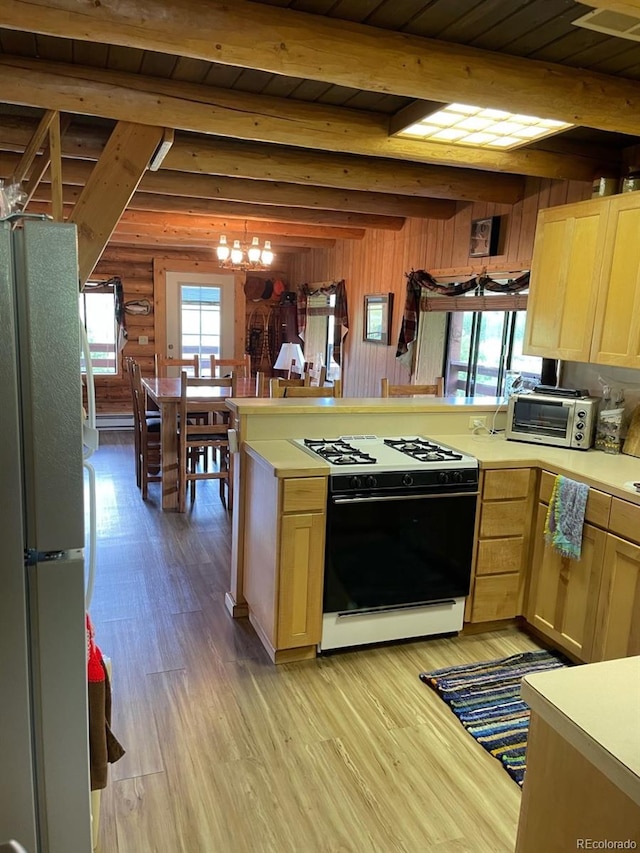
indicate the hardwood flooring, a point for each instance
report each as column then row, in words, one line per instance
column 227, row 753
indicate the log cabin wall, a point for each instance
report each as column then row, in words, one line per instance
column 135, row 268
column 378, row 263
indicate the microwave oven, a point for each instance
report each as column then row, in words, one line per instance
column 552, row 419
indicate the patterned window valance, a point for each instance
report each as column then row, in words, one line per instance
column 485, row 294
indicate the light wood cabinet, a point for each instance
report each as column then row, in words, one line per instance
column 565, row 276
column 563, row 595
column 284, row 560
column 616, row 336
column 503, row 545
column 617, row 631
column 584, row 300
column 589, row 607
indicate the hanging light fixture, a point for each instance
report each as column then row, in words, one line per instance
column 244, row 256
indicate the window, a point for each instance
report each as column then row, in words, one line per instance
column 480, row 347
column 200, row 323
column 97, row 313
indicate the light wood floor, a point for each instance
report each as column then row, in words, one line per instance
column 228, row 754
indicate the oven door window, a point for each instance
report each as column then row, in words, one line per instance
column 541, row 418
column 389, row 553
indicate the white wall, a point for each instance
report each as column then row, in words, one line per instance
column 576, row 375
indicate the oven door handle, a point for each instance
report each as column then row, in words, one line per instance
column 379, row 498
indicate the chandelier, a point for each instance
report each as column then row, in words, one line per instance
column 242, row 256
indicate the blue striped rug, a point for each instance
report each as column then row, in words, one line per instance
column 485, row 697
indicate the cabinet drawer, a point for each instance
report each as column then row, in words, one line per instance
column 506, row 483
column 598, row 503
column 625, row 519
column 304, row 494
column 495, row 597
column 497, row 556
column 504, row 518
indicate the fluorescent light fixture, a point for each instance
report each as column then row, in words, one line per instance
column 463, row 124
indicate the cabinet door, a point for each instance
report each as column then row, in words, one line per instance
column 616, row 336
column 300, row 580
column 565, row 275
column 563, row 595
column 618, row 617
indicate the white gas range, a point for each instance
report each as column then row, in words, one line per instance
column 399, row 537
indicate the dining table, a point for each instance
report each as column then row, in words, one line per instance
column 165, row 392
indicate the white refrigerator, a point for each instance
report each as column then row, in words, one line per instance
column 44, row 754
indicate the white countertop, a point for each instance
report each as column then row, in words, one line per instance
column 596, row 708
column 599, row 470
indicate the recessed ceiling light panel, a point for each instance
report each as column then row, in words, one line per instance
column 487, row 128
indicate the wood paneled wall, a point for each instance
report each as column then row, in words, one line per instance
column 135, row 268
column 378, row 264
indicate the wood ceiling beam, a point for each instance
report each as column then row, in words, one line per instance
column 297, row 44
column 256, row 212
column 179, row 191
column 266, row 164
column 111, row 184
column 278, row 121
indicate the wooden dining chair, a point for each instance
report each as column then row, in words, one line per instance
column 435, row 390
column 195, row 438
column 316, row 375
column 147, row 436
column 277, row 385
column 163, row 364
column 310, row 391
column 240, row 367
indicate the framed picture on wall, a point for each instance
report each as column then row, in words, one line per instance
column 377, row 317
column 485, row 234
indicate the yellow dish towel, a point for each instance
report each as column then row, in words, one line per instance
column 565, row 517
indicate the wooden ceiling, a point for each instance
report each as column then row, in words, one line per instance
column 282, row 108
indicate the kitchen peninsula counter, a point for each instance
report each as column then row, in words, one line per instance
column 583, row 762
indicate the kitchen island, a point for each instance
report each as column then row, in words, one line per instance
column 270, row 464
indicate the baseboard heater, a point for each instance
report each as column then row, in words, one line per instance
column 121, row 421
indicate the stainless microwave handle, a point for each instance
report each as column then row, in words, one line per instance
column 379, row 498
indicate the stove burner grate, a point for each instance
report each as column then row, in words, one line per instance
column 422, row 450
column 339, row 452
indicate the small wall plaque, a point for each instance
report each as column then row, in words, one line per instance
column 485, row 234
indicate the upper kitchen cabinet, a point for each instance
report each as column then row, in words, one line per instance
column 565, row 274
column 584, row 301
column 616, row 336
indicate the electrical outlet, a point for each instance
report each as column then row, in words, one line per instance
column 476, row 421
column 143, row 340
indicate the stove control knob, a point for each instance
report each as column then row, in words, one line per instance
column 580, row 425
column 581, row 413
column 407, row 480
column 579, row 436
column 371, row 482
column 443, row 477
column 457, row 476
column 355, row 482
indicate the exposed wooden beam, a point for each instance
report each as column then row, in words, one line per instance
column 55, row 155
column 279, row 121
column 107, row 192
column 216, row 225
column 34, row 145
column 203, row 193
column 264, row 164
column 252, row 212
column 43, row 161
column 297, row 44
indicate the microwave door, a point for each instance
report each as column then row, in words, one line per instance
column 543, row 417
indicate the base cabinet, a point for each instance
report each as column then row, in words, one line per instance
column 589, row 607
column 503, row 545
column 563, row 595
column 284, row 560
column 618, row 615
